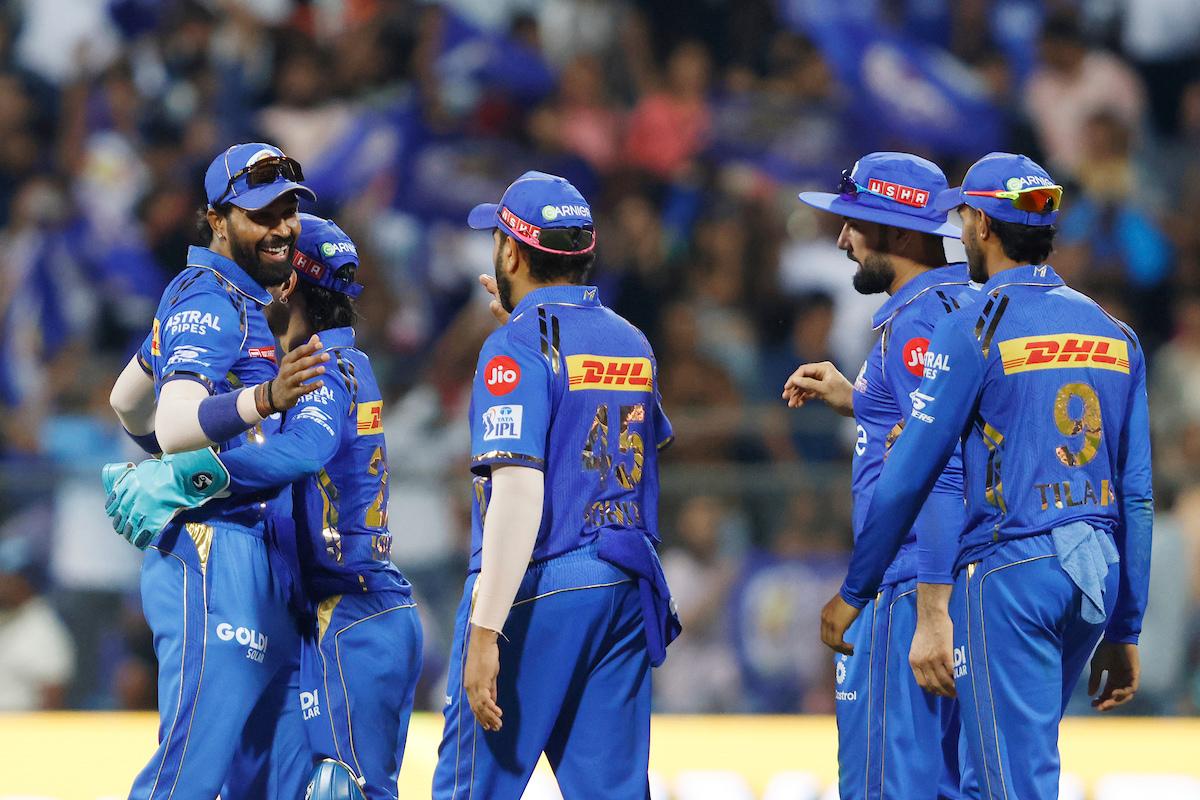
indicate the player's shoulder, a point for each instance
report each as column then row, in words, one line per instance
column 1097, row 316
column 198, row 285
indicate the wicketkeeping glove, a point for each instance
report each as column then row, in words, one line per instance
column 143, row 499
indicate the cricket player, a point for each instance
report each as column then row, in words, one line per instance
column 215, row 587
column 1047, row 394
column 894, row 740
column 565, row 608
column 360, row 652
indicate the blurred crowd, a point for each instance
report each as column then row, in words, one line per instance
column 690, row 125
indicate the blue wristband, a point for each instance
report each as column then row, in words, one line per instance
column 219, row 417
column 146, row 441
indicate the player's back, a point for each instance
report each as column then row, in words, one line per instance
column 569, row 386
column 1047, row 443
column 344, row 539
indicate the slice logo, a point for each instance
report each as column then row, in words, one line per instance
column 262, row 352
column 370, row 418
column 501, row 375
column 1063, row 351
column 155, row 350
column 609, row 372
column 310, row 704
column 254, row 642
column 914, row 355
column 502, row 422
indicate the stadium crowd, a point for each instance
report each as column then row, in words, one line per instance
column 691, row 125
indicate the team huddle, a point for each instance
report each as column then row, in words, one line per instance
column 1001, row 484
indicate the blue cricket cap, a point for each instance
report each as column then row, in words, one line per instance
column 217, row 186
column 1002, row 172
column 897, row 189
column 321, row 250
column 537, row 201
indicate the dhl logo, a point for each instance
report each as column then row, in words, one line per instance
column 1063, row 350
column 154, row 348
column 370, row 418
column 609, row 372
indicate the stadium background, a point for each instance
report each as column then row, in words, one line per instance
column 691, row 125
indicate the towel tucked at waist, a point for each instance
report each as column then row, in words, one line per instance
column 632, row 552
column 1085, row 554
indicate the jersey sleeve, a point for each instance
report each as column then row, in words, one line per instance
column 510, row 405
column 1133, row 535
column 664, row 434
column 145, row 353
column 199, row 338
column 941, row 408
column 305, row 443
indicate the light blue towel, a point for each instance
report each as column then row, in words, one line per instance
column 1085, row 555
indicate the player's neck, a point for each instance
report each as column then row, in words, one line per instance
column 520, row 289
column 998, row 262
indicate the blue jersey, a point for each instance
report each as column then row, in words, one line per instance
column 570, row 388
column 1047, row 393
column 883, row 394
column 332, row 445
column 210, row 328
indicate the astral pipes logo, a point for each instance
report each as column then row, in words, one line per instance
column 255, row 642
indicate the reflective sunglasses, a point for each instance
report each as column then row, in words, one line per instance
column 566, row 240
column 848, row 187
column 1034, row 199
column 263, row 172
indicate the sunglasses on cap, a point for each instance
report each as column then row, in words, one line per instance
column 1034, row 199
column 263, row 172
column 848, row 187
column 566, row 240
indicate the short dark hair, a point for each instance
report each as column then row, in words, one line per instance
column 551, row 267
column 1025, row 244
column 326, row 308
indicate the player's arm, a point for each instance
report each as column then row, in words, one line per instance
column 132, row 398
column 911, row 469
column 1117, row 654
column 307, row 441
column 189, row 416
column 509, row 424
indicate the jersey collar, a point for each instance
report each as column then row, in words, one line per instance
column 229, row 270
column 336, row 337
column 930, row 279
column 1025, row 275
column 586, row 296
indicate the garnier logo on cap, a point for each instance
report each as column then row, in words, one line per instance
column 1017, row 184
column 551, row 213
column 330, row 249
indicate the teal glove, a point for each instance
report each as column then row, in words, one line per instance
column 143, row 499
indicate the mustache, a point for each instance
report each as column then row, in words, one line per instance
column 275, row 241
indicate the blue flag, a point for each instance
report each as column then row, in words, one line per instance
column 905, row 91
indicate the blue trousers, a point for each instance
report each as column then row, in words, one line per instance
column 1021, row 644
column 574, row 683
column 358, row 674
column 895, row 740
column 225, row 642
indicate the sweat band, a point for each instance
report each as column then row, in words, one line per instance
column 219, row 417
column 146, row 441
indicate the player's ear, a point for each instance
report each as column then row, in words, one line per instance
column 983, row 225
column 217, row 221
column 289, row 287
column 510, row 255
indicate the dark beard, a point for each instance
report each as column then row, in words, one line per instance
column 264, row 275
column 976, row 265
column 503, row 288
column 874, row 275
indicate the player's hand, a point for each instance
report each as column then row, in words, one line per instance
column 489, row 283
column 836, row 618
column 820, row 381
column 479, row 677
column 298, row 367
column 1124, row 668
column 931, row 655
